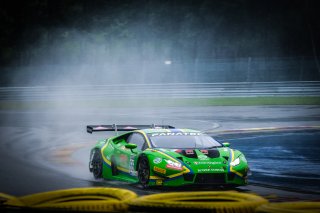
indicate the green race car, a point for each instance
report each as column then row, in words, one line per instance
column 165, row 156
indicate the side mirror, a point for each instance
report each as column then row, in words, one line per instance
column 131, row 146
column 226, row 144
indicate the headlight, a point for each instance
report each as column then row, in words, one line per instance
column 235, row 162
column 173, row 165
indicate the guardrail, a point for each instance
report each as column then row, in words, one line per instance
column 173, row 90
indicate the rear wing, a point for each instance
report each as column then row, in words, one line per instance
column 116, row 128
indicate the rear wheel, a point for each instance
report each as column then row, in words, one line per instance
column 96, row 164
column 144, row 171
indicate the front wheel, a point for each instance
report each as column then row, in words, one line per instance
column 96, row 164
column 114, row 168
column 144, row 172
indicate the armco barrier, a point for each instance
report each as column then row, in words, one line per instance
column 173, row 90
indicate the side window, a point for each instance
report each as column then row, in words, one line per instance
column 123, row 137
column 145, row 145
column 138, row 139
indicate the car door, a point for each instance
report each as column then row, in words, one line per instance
column 122, row 154
column 138, row 139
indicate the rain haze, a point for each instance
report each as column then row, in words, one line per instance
column 58, row 43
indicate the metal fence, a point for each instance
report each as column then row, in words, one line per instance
column 157, row 72
column 173, row 90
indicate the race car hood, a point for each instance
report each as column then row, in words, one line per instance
column 203, row 160
column 199, row 154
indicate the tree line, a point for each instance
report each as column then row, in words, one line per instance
column 83, row 31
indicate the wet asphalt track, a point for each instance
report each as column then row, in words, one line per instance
column 49, row 149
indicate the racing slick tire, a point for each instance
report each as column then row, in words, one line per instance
column 96, row 164
column 144, row 171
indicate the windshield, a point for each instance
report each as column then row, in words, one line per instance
column 183, row 140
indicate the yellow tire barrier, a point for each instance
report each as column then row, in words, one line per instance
column 5, row 197
column 213, row 201
column 78, row 199
column 290, row 207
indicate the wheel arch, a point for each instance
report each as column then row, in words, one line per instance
column 138, row 161
column 100, row 143
column 96, row 152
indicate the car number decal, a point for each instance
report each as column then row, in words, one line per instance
column 157, row 160
column 132, row 171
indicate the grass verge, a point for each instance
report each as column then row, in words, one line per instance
column 161, row 102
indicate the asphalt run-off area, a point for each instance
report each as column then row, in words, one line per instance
column 48, row 149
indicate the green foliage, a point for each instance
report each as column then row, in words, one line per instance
column 162, row 102
column 182, row 29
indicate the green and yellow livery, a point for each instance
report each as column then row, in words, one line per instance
column 161, row 155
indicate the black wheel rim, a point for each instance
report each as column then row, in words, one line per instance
column 144, row 172
column 97, row 165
